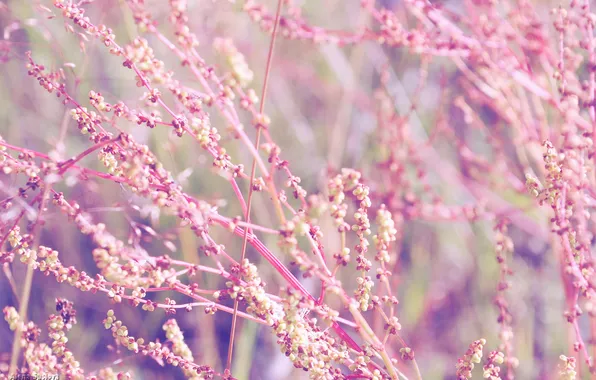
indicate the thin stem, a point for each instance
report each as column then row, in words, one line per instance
column 252, row 176
column 10, row 278
column 16, row 344
column 67, row 164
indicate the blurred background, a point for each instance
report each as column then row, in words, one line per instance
column 325, row 106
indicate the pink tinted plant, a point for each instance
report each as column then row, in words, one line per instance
column 350, row 273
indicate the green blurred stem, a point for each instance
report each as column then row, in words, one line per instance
column 245, row 351
column 16, row 343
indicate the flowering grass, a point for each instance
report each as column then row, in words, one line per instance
column 286, row 189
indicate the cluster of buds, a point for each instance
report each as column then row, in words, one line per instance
column 473, row 356
column 288, row 241
column 11, row 315
column 253, row 293
column 287, row 235
column 393, row 32
column 98, row 101
column 338, row 208
column 491, row 369
column 56, row 359
column 76, row 14
column 272, row 150
column 157, row 350
column 205, row 133
column 108, row 373
column 338, row 186
column 249, row 99
column 120, row 333
column 567, row 368
column 46, row 260
column 362, row 224
column 363, row 292
column 553, row 175
column 385, row 236
column 34, row 182
column 179, row 18
column 49, row 81
column 141, row 55
column 179, row 347
column 305, row 344
column 235, row 59
column 107, row 257
column 58, row 325
column 294, row 183
column 87, row 121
